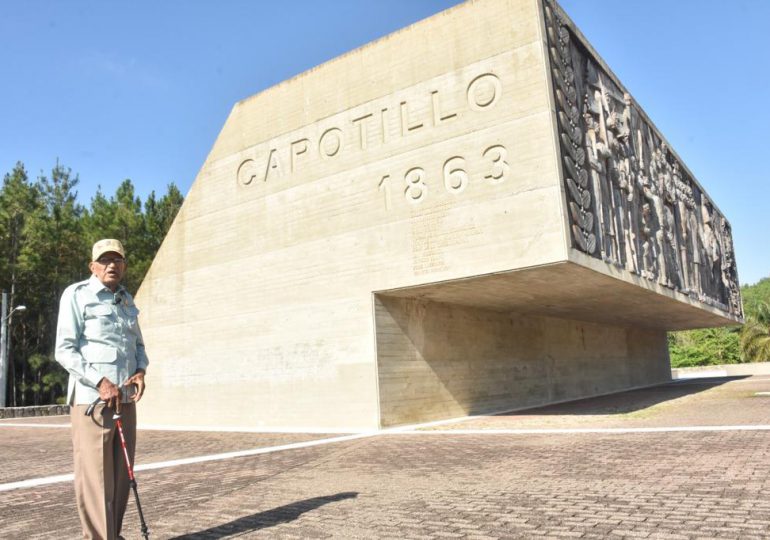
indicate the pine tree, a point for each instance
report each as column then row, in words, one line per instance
column 18, row 200
column 53, row 255
column 45, row 245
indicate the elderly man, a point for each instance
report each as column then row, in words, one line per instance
column 99, row 343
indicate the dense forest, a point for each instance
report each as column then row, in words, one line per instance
column 45, row 245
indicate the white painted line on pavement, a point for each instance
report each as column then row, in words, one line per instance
column 403, row 430
column 37, row 482
column 37, row 425
column 199, row 459
column 252, row 452
column 557, row 431
column 245, row 429
column 710, row 380
column 215, row 429
column 710, row 373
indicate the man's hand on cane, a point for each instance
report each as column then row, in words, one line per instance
column 108, row 392
column 137, row 379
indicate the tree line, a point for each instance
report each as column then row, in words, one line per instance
column 45, row 245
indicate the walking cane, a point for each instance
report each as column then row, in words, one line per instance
column 131, row 478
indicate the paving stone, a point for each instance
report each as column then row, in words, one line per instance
column 667, row 486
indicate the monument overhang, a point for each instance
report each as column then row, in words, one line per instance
column 469, row 215
column 571, row 290
column 633, row 203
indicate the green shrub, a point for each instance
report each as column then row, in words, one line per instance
column 704, row 347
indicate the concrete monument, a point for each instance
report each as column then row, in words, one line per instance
column 469, row 215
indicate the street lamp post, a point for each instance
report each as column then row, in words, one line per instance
column 5, row 344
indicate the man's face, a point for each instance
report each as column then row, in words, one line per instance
column 109, row 269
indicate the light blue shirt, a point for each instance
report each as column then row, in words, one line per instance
column 97, row 336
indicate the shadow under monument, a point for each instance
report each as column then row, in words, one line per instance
column 490, row 371
column 629, row 400
column 266, row 519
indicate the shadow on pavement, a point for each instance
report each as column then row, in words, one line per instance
column 630, row 400
column 268, row 518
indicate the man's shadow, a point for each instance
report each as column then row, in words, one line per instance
column 268, row 518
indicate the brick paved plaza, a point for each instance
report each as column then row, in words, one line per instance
column 599, row 468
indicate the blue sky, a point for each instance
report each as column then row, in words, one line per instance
column 141, row 89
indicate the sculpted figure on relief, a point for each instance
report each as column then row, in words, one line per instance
column 690, row 239
column 610, row 123
column 670, row 247
column 711, row 251
column 656, row 222
column 649, row 226
column 598, row 153
column 623, row 172
column 729, row 269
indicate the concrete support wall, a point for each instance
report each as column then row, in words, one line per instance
column 440, row 360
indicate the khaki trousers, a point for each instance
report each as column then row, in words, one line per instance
column 101, row 477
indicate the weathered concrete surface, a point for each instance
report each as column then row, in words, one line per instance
column 426, row 164
column 390, row 166
column 442, row 361
column 669, row 485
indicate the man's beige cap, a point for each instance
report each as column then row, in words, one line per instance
column 106, row 245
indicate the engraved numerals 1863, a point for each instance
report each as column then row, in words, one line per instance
column 455, row 177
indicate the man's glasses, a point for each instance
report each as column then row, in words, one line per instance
column 106, row 261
